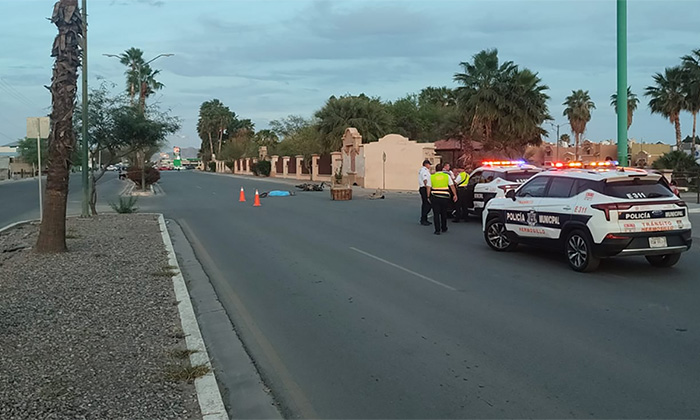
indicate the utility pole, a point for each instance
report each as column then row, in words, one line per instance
column 38, row 155
column 622, row 82
column 84, row 141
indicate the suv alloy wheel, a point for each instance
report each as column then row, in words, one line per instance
column 579, row 252
column 497, row 236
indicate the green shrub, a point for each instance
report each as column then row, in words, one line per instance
column 231, row 164
column 152, row 175
column 212, row 166
column 254, row 168
column 126, row 205
column 264, row 167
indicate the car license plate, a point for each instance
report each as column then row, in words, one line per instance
column 657, row 242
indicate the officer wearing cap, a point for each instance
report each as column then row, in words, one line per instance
column 423, row 184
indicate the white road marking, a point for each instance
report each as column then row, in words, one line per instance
column 199, row 187
column 694, row 211
column 404, row 269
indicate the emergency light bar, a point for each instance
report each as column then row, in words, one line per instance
column 606, row 163
column 503, row 163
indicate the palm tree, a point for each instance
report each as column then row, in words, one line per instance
column 147, row 84
column 578, row 111
column 479, row 92
column 691, row 65
column 64, row 84
column 667, row 97
column 133, row 59
column 632, row 102
column 369, row 116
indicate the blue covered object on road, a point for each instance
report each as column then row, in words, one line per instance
column 277, row 193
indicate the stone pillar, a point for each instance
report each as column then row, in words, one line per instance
column 336, row 162
column 314, row 166
column 247, row 166
column 273, row 165
column 300, row 161
column 285, row 166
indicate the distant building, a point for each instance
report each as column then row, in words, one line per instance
column 639, row 154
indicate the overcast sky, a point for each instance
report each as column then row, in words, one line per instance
column 269, row 59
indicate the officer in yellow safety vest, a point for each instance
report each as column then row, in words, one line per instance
column 462, row 213
column 439, row 193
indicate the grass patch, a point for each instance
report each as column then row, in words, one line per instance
column 178, row 333
column 126, row 205
column 186, row 373
column 164, row 273
column 181, row 354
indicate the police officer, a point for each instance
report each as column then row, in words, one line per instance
column 462, row 181
column 423, row 183
column 439, row 191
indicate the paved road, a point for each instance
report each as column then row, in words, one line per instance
column 353, row 310
column 19, row 199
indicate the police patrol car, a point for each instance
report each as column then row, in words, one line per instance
column 493, row 179
column 592, row 214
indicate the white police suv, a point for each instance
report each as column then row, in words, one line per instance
column 493, row 179
column 592, row 214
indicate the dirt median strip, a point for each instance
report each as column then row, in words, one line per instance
column 94, row 332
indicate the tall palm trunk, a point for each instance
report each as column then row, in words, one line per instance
column 692, row 141
column 577, row 135
column 211, row 144
column 221, row 139
column 677, row 125
column 64, row 84
column 629, row 119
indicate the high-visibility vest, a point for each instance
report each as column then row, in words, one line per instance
column 465, row 181
column 440, row 184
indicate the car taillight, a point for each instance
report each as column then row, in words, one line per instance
column 606, row 207
column 613, row 236
column 681, row 203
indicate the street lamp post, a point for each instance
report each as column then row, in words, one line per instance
column 557, row 143
column 84, row 141
column 622, row 82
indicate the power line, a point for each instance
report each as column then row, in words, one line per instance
column 16, row 94
column 12, row 88
column 8, row 137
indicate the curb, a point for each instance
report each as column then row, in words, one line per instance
column 208, row 394
column 15, row 224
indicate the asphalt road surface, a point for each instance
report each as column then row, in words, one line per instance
column 354, row 310
column 19, row 200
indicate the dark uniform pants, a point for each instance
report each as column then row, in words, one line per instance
column 440, row 206
column 425, row 206
column 462, row 204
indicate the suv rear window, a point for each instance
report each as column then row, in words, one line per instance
column 520, row 176
column 637, row 188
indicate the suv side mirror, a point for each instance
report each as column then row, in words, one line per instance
column 510, row 194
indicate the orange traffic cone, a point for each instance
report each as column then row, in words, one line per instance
column 256, row 203
column 241, row 198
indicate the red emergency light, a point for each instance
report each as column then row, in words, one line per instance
column 502, row 163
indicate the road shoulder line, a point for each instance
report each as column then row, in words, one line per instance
column 210, row 401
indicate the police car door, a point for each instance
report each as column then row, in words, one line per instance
column 556, row 207
column 484, row 190
column 474, row 179
column 521, row 216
